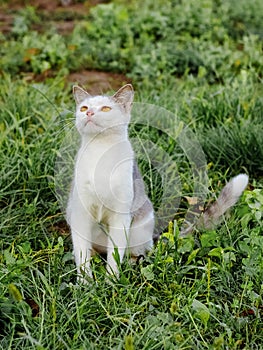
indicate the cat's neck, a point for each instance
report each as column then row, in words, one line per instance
column 108, row 136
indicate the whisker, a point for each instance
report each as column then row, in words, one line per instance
column 65, row 121
column 67, row 127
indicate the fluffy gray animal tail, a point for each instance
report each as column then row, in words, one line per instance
column 228, row 197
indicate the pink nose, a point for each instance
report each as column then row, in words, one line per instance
column 90, row 113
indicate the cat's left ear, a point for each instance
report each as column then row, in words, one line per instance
column 80, row 94
column 124, row 96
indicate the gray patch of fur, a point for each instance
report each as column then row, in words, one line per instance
column 142, row 206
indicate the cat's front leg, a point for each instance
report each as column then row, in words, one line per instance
column 118, row 241
column 81, row 231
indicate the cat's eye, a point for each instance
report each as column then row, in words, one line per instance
column 105, row 108
column 84, row 108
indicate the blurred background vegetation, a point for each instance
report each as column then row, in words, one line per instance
column 204, row 56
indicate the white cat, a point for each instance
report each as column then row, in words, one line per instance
column 108, row 208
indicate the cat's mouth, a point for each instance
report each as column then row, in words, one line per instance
column 90, row 121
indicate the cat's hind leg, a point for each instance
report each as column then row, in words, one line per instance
column 141, row 235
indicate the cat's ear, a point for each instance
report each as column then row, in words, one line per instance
column 80, row 94
column 124, row 96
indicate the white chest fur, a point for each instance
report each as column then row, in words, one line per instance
column 103, row 175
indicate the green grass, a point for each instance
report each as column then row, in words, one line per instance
column 200, row 292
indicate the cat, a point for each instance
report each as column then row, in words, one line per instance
column 108, row 209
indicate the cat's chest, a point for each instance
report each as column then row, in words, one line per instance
column 104, row 170
column 90, row 175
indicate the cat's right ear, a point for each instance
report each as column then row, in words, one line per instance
column 80, row 94
column 124, row 96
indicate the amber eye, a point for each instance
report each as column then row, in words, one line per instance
column 83, row 108
column 105, row 109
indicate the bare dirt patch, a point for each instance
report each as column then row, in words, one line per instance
column 6, row 22
column 98, row 82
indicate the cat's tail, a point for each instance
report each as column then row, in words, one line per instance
column 227, row 198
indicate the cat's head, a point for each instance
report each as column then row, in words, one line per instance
column 95, row 114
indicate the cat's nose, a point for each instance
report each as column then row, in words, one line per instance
column 90, row 113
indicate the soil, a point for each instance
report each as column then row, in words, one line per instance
column 63, row 14
column 98, row 82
